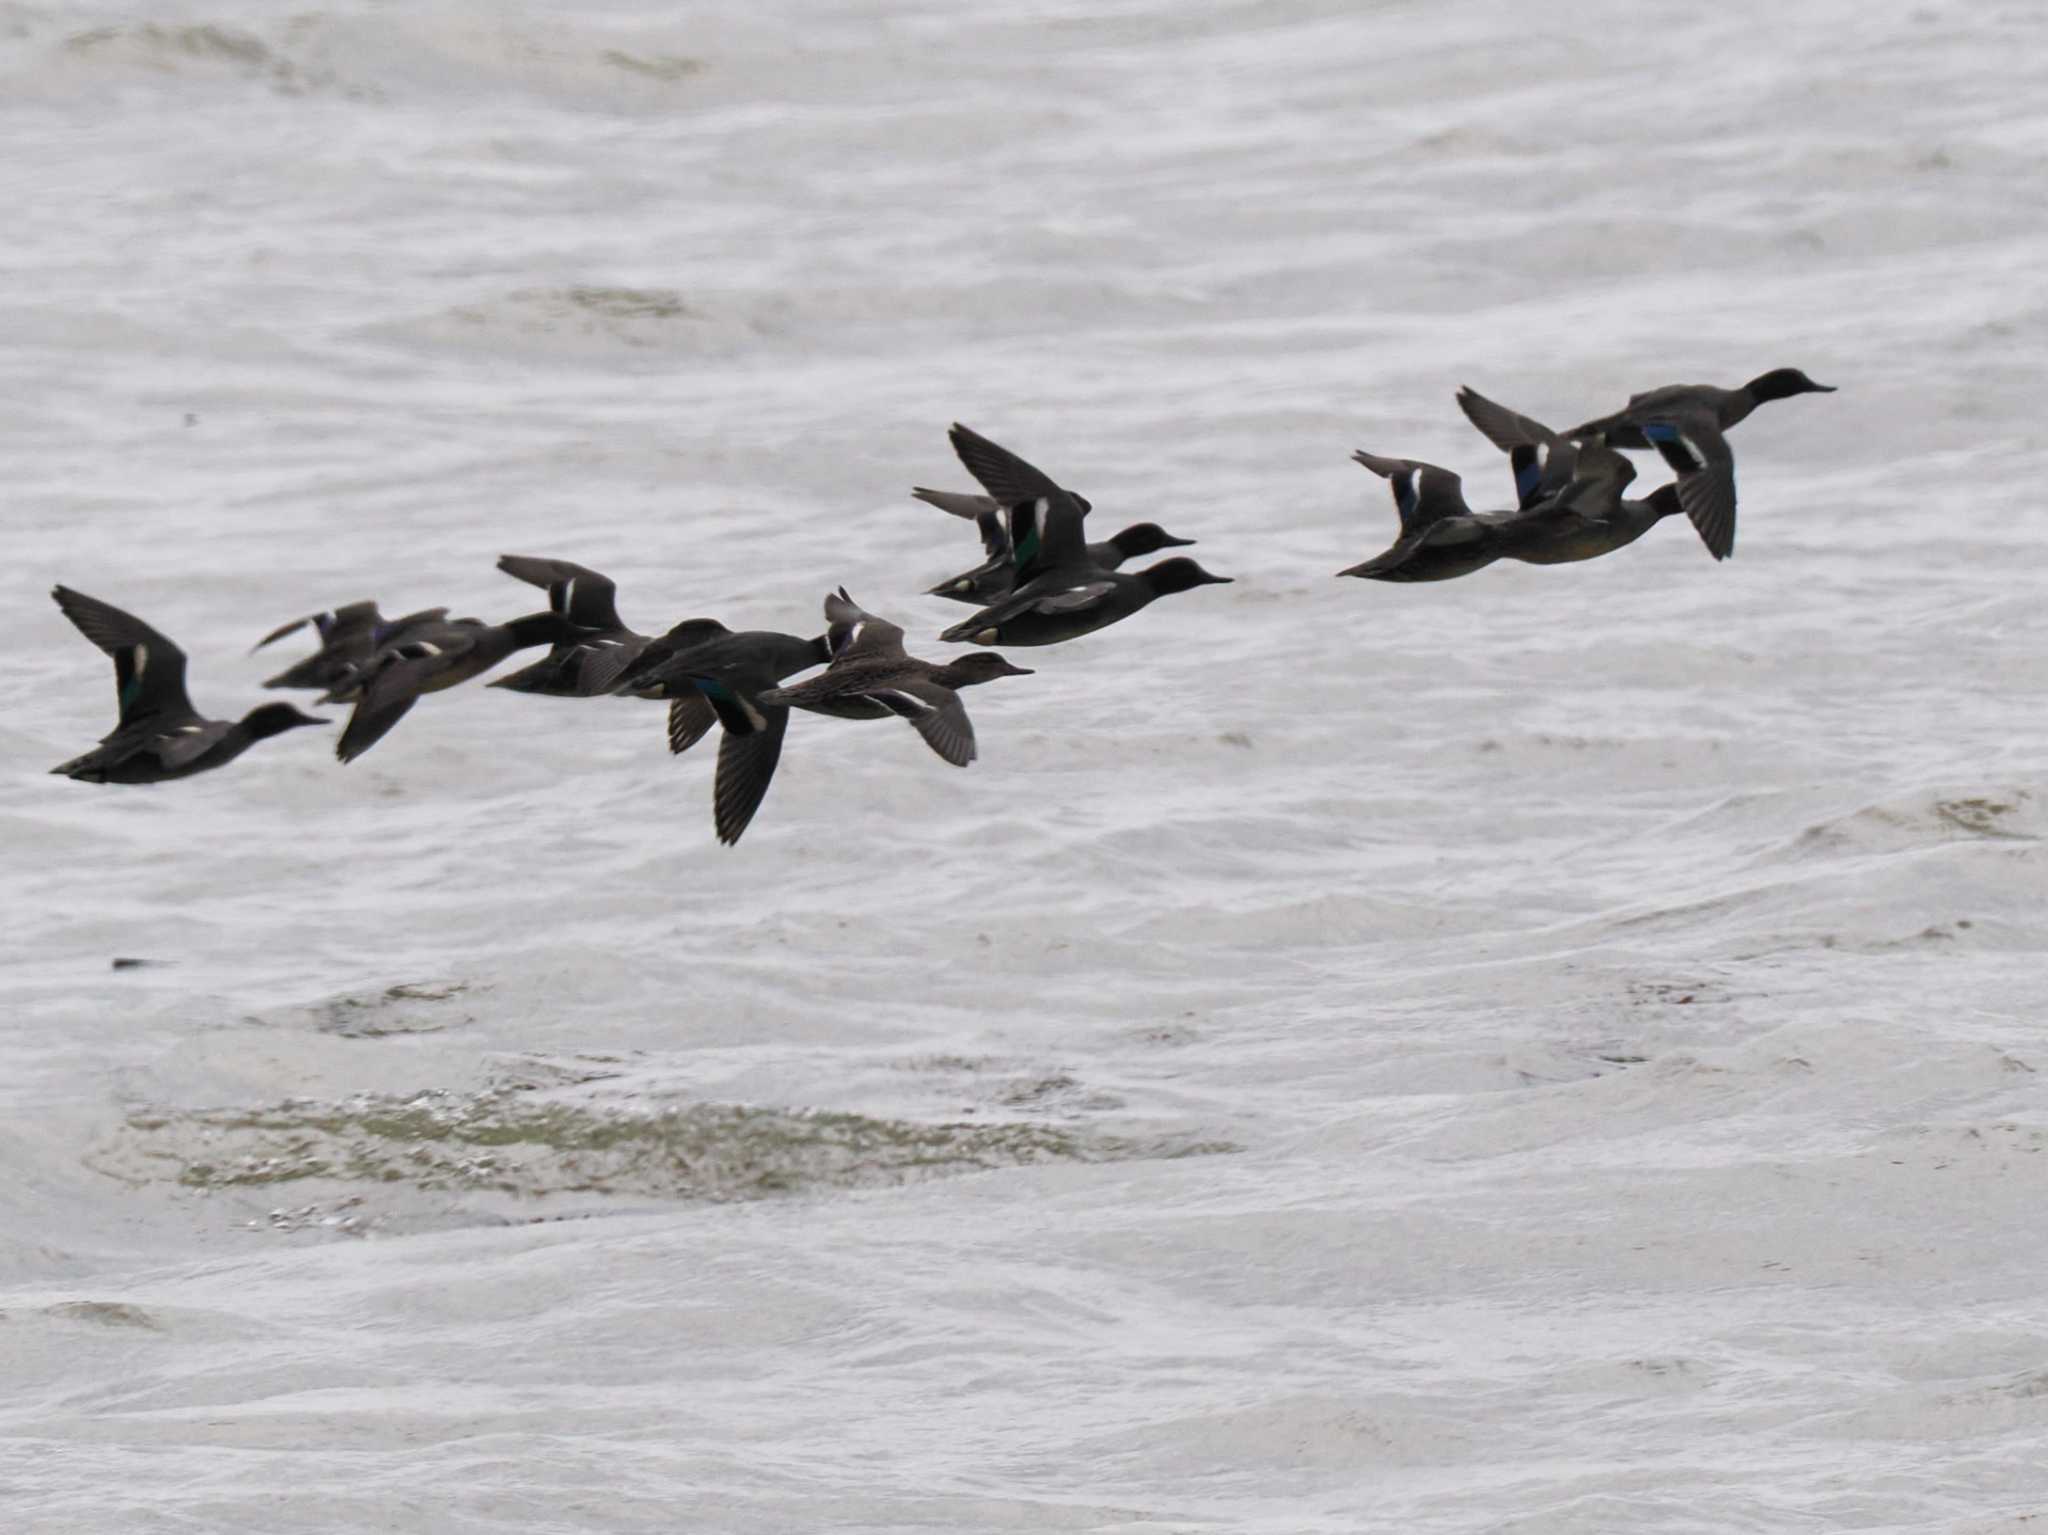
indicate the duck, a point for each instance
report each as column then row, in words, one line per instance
column 349, row 636
column 870, row 677
column 1060, row 592
column 431, row 659
column 730, row 672
column 1441, row 538
column 1686, row 424
column 1572, row 507
column 996, row 576
column 589, row 663
column 160, row 735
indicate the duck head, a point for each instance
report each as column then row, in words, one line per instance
column 1179, row 575
column 275, row 719
column 982, row 666
column 1783, row 383
column 1146, row 538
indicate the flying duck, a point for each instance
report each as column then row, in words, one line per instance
column 1061, row 592
column 160, row 735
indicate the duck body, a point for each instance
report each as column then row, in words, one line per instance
column 1066, row 604
column 1686, row 424
column 1561, row 536
column 996, row 577
column 160, row 735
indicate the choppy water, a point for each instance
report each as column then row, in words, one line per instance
column 1559, row 1051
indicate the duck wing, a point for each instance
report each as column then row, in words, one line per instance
column 149, row 671
column 1423, row 493
column 1599, row 476
column 851, row 631
column 1070, row 599
column 959, row 502
column 1045, row 520
column 336, row 624
column 690, row 718
column 188, row 743
column 583, row 596
column 1690, row 441
column 1543, row 460
column 401, row 673
column 382, row 704
column 936, row 713
column 746, row 766
column 983, row 511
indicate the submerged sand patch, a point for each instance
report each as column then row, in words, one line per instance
column 515, row 1154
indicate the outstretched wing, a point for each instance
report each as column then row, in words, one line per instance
column 1045, row 520
column 1543, row 461
column 576, row 592
column 385, row 701
column 337, row 623
column 1599, row 477
column 851, row 630
column 1423, row 493
column 937, row 714
column 959, row 502
column 746, row 766
column 690, row 716
column 149, row 671
column 1692, row 445
column 985, row 512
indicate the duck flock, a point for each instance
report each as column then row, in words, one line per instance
column 1041, row 582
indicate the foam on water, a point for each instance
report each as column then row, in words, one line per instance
column 1554, row 1051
